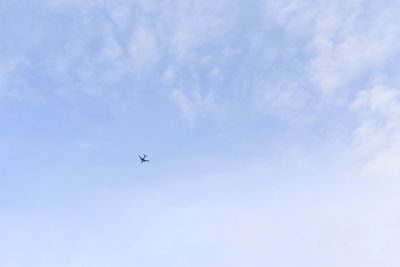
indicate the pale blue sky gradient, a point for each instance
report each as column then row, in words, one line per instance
column 272, row 128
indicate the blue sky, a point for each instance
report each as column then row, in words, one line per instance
column 272, row 128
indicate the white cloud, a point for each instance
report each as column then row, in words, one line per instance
column 121, row 15
column 344, row 39
column 169, row 75
column 15, row 86
column 346, row 46
column 125, row 43
column 326, row 47
column 197, row 25
column 143, row 49
column 284, row 95
column 295, row 16
column 193, row 104
column 84, row 146
column 378, row 134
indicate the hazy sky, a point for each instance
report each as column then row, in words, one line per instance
column 272, row 126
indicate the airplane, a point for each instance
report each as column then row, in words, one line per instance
column 143, row 158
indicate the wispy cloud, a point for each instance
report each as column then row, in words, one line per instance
column 275, row 56
column 15, row 86
column 286, row 95
column 143, row 49
column 194, row 104
column 337, row 61
column 346, row 46
column 344, row 39
column 378, row 135
column 118, row 41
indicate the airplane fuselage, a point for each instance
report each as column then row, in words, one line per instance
column 143, row 158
